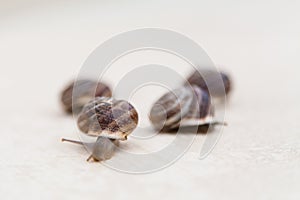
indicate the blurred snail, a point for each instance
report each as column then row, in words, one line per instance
column 86, row 90
column 109, row 120
column 208, row 78
column 184, row 106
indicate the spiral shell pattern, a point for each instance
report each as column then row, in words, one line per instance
column 184, row 106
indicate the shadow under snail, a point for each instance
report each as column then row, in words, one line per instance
column 109, row 120
column 86, row 90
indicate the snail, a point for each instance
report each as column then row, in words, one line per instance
column 210, row 81
column 109, row 120
column 86, row 90
column 182, row 107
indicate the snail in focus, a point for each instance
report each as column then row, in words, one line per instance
column 86, row 90
column 182, row 107
column 208, row 78
column 109, row 120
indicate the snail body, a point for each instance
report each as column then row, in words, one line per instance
column 184, row 106
column 86, row 90
column 109, row 120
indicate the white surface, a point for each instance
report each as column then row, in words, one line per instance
column 42, row 46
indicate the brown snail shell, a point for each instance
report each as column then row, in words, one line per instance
column 184, row 106
column 109, row 120
column 201, row 110
column 211, row 77
column 107, row 117
column 168, row 109
column 86, row 90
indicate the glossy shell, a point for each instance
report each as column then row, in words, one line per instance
column 212, row 77
column 185, row 106
column 201, row 111
column 107, row 117
column 86, row 90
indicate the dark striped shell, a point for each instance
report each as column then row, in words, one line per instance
column 185, row 106
column 86, row 90
column 107, row 117
column 211, row 77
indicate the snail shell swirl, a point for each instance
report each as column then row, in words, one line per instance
column 170, row 108
column 201, row 111
column 184, row 106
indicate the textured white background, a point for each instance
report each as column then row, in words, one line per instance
column 43, row 44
